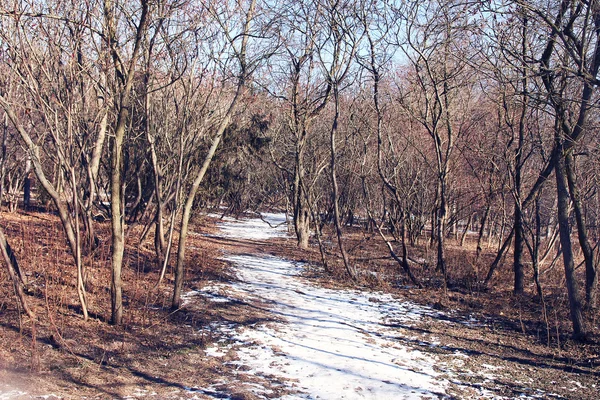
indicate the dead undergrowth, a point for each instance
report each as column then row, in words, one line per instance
column 159, row 351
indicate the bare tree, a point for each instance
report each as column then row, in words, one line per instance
column 305, row 92
column 15, row 274
column 49, row 110
column 336, row 56
column 435, row 35
column 238, row 42
column 124, row 69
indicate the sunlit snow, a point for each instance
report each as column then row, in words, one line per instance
column 332, row 344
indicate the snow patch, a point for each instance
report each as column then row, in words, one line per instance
column 333, row 343
column 11, row 394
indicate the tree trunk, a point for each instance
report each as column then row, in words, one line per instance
column 318, row 233
column 187, row 212
column 567, row 250
column 301, row 211
column 66, row 219
column 78, row 256
column 591, row 275
column 125, row 75
column 3, row 156
column 535, row 253
column 498, row 258
column 482, row 230
column 117, row 218
column 466, row 231
column 14, row 273
column 27, row 185
column 187, row 209
column 519, row 271
column 336, row 209
column 440, row 227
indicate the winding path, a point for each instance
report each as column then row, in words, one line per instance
column 331, row 344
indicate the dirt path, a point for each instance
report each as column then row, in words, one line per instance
column 272, row 332
column 332, row 344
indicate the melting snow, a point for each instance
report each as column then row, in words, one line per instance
column 11, row 394
column 333, row 343
column 269, row 227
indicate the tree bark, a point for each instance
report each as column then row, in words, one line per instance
column 126, row 78
column 117, row 218
column 27, row 185
column 482, row 223
column 562, row 190
column 463, row 237
column 440, row 227
column 498, row 258
column 301, row 212
column 591, row 275
column 13, row 272
column 519, row 270
column 336, row 209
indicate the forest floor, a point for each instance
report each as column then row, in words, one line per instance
column 260, row 321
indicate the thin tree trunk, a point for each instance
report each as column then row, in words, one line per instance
column 433, row 231
column 27, row 185
column 518, row 269
column 167, row 254
column 93, row 168
column 591, row 276
column 336, row 209
column 483, row 221
column 466, row 230
column 440, row 227
column 117, row 219
column 317, row 229
column 5, row 121
column 187, row 209
column 301, row 212
column 535, row 254
column 13, row 272
column 567, row 250
column 534, row 251
column 387, row 183
column 498, row 258
column 79, row 261
column 67, row 221
column 126, row 77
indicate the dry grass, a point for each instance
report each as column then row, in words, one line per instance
column 154, row 351
column 159, row 351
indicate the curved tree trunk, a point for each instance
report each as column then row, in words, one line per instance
column 67, row 221
column 187, row 209
column 14, row 273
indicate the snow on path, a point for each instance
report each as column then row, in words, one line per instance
column 333, row 343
